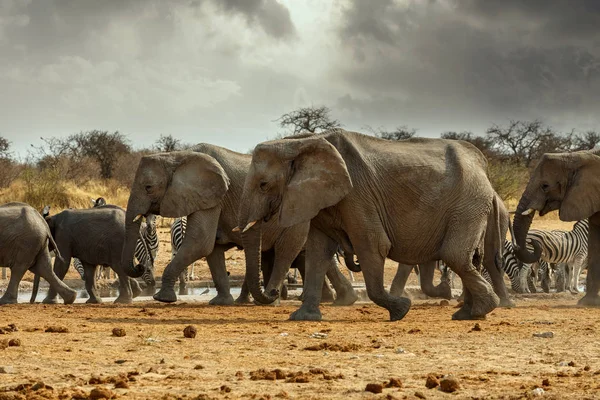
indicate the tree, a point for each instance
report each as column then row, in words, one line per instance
column 587, row 140
column 483, row 144
column 102, row 146
column 4, row 148
column 525, row 141
column 167, row 144
column 400, row 133
column 308, row 119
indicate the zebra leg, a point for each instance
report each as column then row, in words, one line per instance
column 561, row 272
column 544, row 272
column 397, row 288
column 78, row 265
column 218, row 270
column 183, row 279
column 89, row 276
column 577, row 268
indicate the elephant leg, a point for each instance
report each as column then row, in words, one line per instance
column 43, row 267
column 12, row 291
column 479, row 297
column 400, row 279
column 345, row 294
column 372, row 253
column 60, row 269
column 198, row 242
column 497, row 276
column 89, row 275
column 244, row 297
column 218, row 270
column 427, row 271
column 320, row 250
column 592, row 282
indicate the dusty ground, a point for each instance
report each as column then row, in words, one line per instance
column 255, row 352
column 358, row 346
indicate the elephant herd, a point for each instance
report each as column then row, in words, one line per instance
column 299, row 200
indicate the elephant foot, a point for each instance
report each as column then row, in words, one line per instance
column 305, row 313
column 465, row 314
column 346, row 298
column 50, row 300
column 7, row 300
column 221, row 300
column 69, row 296
column 589, row 300
column 243, row 299
column 123, row 300
column 275, row 303
column 399, row 308
column 507, row 303
column 482, row 305
column 94, row 300
column 443, row 291
column 165, row 295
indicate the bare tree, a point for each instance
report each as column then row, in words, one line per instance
column 482, row 143
column 400, row 133
column 308, row 119
column 4, row 148
column 525, row 141
column 587, row 140
column 102, row 146
column 167, row 144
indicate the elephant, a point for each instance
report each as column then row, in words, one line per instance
column 569, row 183
column 205, row 185
column 413, row 201
column 24, row 245
column 95, row 236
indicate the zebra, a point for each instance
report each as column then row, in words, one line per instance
column 568, row 249
column 146, row 249
column 178, row 228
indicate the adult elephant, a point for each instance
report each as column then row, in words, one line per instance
column 414, row 201
column 24, row 245
column 94, row 236
column 569, row 183
column 205, row 185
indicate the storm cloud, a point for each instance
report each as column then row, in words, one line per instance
column 223, row 71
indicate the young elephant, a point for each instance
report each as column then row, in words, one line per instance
column 24, row 240
column 569, row 183
column 205, row 185
column 413, row 201
column 95, row 236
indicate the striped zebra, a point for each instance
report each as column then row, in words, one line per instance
column 561, row 247
column 178, row 228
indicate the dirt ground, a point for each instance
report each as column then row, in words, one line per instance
column 254, row 352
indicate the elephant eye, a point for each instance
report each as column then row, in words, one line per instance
column 148, row 188
column 264, row 186
column 545, row 187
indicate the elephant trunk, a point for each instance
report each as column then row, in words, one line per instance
column 350, row 264
column 132, row 233
column 252, row 249
column 521, row 226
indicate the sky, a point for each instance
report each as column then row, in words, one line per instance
column 222, row 71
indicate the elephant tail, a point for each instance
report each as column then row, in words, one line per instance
column 498, row 222
column 36, row 286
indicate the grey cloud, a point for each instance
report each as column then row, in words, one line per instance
column 506, row 59
column 272, row 16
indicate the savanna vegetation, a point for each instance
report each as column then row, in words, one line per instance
column 65, row 172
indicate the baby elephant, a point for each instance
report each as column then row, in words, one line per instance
column 24, row 239
column 95, row 236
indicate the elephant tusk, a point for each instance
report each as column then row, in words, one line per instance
column 529, row 211
column 138, row 217
column 236, row 229
column 250, row 225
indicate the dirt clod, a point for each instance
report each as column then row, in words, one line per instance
column 14, row 342
column 432, row 381
column 57, row 329
column 476, row 328
column 374, row 388
column 118, row 332
column 190, row 332
column 394, row 383
column 449, row 384
column 102, row 393
column 587, row 368
column 199, row 366
column 345, row 348
column 415, row 330
column 225, row 389
column 122, row 384
column 420, row 395
column 571, row 363
column 546, row 382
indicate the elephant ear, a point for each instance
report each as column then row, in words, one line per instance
column 319, row 179
column 198, row 182
column 582, row 198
